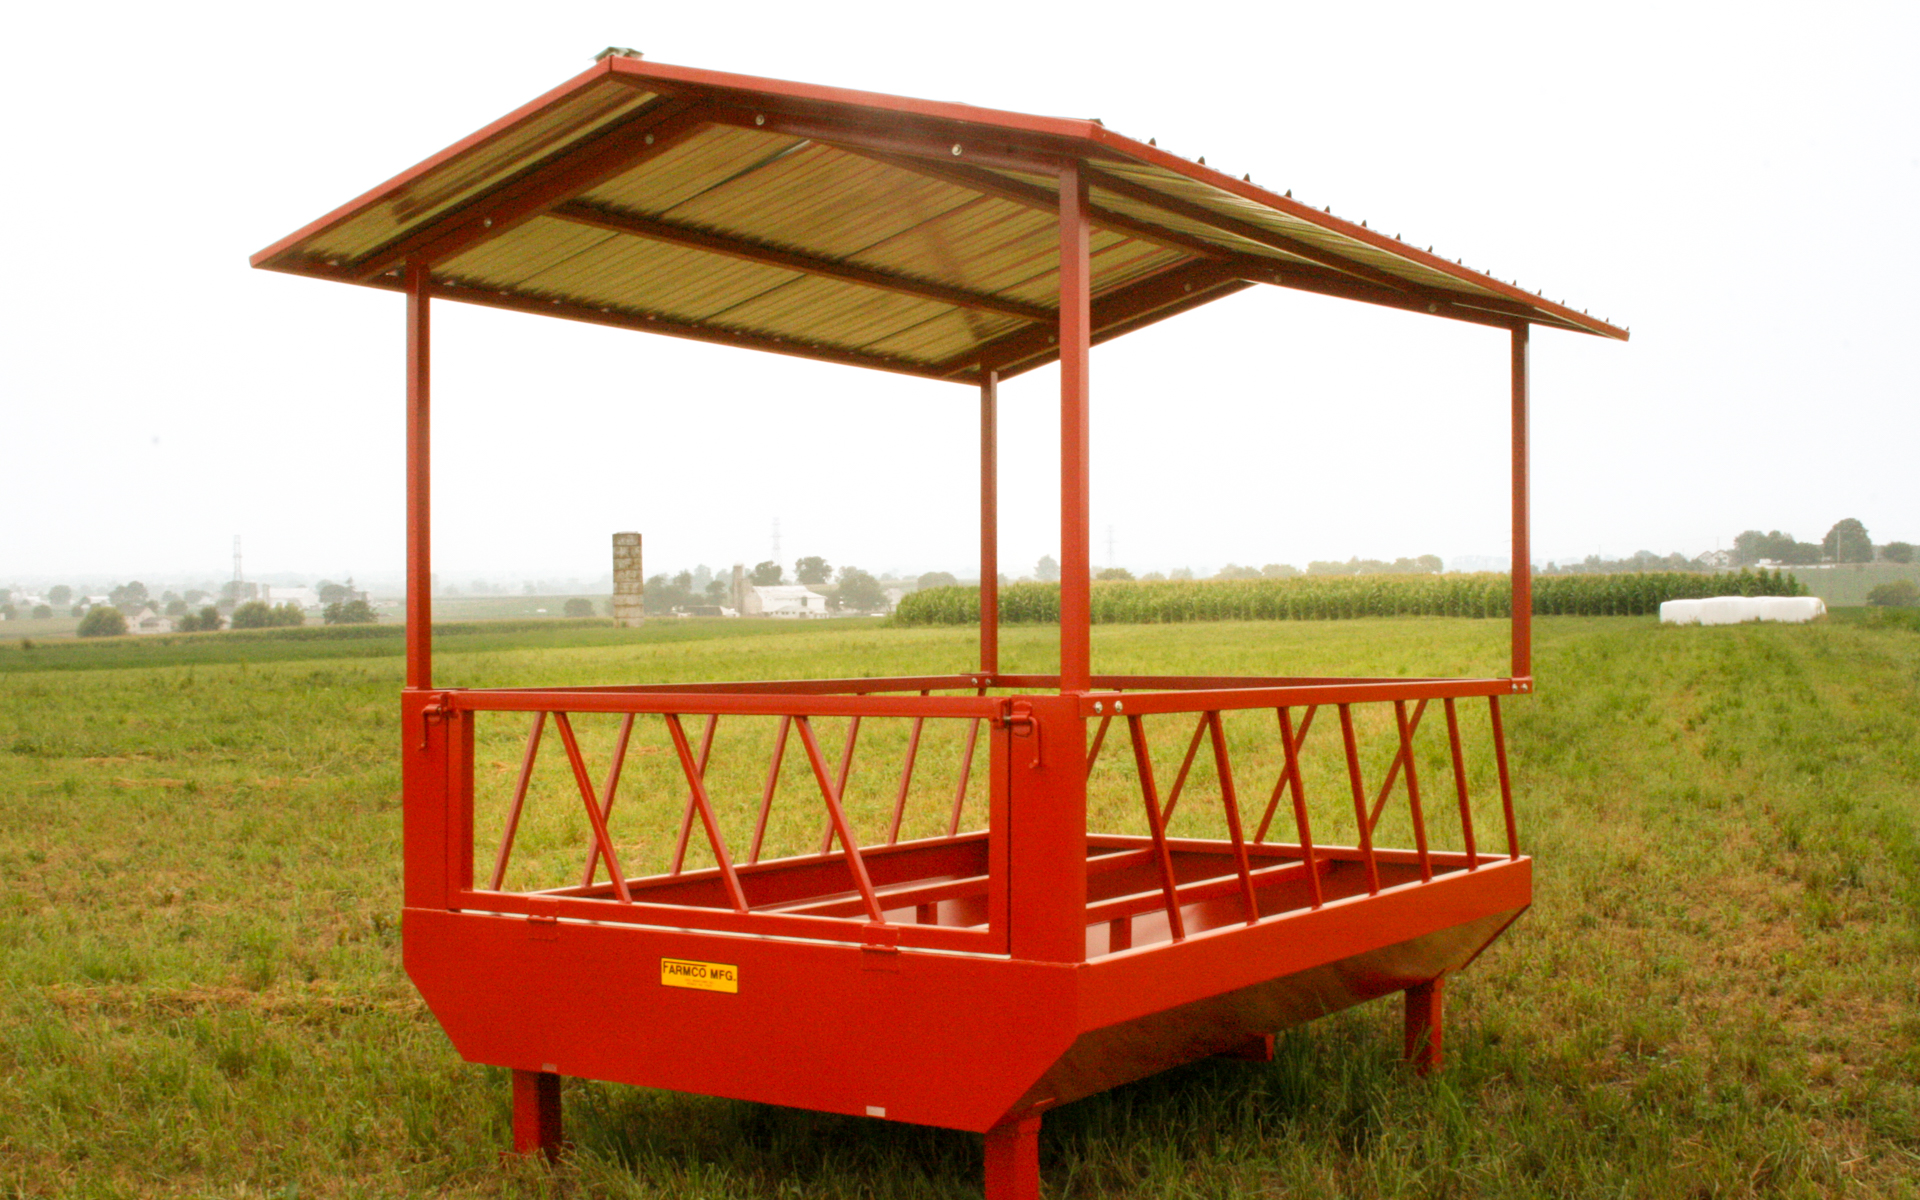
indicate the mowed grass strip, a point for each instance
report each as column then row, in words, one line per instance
column 1716, row 993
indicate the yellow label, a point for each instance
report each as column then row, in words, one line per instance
column 702, row 976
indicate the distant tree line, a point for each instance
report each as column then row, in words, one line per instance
column 849, row 589
column 1847, row 542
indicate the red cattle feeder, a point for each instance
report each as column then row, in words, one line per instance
column 1012, row 959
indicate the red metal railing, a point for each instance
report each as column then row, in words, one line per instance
column 840, row 894
column 847, row 890
column 1299, row 862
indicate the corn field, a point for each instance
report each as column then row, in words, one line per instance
column 1319, row 598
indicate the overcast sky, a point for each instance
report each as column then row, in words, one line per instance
column 1739, row 184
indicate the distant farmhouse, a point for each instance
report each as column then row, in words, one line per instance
column 788, row 600
column 146, row 619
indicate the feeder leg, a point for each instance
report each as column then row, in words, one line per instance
column 536, row 1114
column 1424, row 1003
column 1013, row 1160
column 1258, row 1048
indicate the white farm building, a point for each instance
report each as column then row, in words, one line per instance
column 784, row 600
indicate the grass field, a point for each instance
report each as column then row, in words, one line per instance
column 1717, row 993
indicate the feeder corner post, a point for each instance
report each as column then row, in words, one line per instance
column 1522, row 577
column 1076, row 337
column 437, row 850
column 419, row 284
column 989, row 521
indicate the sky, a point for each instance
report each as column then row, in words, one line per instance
column 1737, row 184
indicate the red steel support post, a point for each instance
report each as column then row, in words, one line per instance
column 536, row 1114
column 989, row 521
column 1424, row 1005
column 419, row 508
column 1076, row 336
column 1013, row 1160
column 1522, row 550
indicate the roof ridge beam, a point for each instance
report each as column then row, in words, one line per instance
column 939, row 145
column 539, row 189
column 765, row 254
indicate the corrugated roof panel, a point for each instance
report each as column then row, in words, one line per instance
column 815, row 198
column 987, row 247
column 515, row 257
column 636, row 273
column 1116, row 261
column 1160, row 218
column 826, row 310
column 944, row 336
column 1318, row 236
column 708, row 158
column 1127, row 261
column 823, row 201
column 468, row 174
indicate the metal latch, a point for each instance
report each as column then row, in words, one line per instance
column 1017, row 716
column 439, row 710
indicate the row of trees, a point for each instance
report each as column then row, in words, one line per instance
column 1048, row 571
column 1847, row 542
column 850, row 588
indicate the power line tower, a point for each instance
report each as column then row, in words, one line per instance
column 236, row 566
column 776, row 539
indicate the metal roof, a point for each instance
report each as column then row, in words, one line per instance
column 906, row 235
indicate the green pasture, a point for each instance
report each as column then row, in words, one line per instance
column 1716, row 994
column 495, row 608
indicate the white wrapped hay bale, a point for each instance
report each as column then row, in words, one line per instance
column 1680, row 612
column 1732, row 610
column 1795, row 609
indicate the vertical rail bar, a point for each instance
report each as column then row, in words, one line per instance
column 1506, row 783
column 686, row 814
column 966, row 769
column 1224, row 769
column 1401, row 757
column 1290, row 744
column 1099, row 736
column 1076, row 333
column 419, row 282
column 1413, row 792
column 1300, row 824
column 989, row 521
column 840, row 786
column 607, row 793
column 697, row 785
column 1143, row 767
column 519, row 801
column 1522, row 511
column 906, row 780
column 601, row 840
column 1186, row 764
column 766, row 793
column 838, row 821
column 1460, row 784
column 1359, row 799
